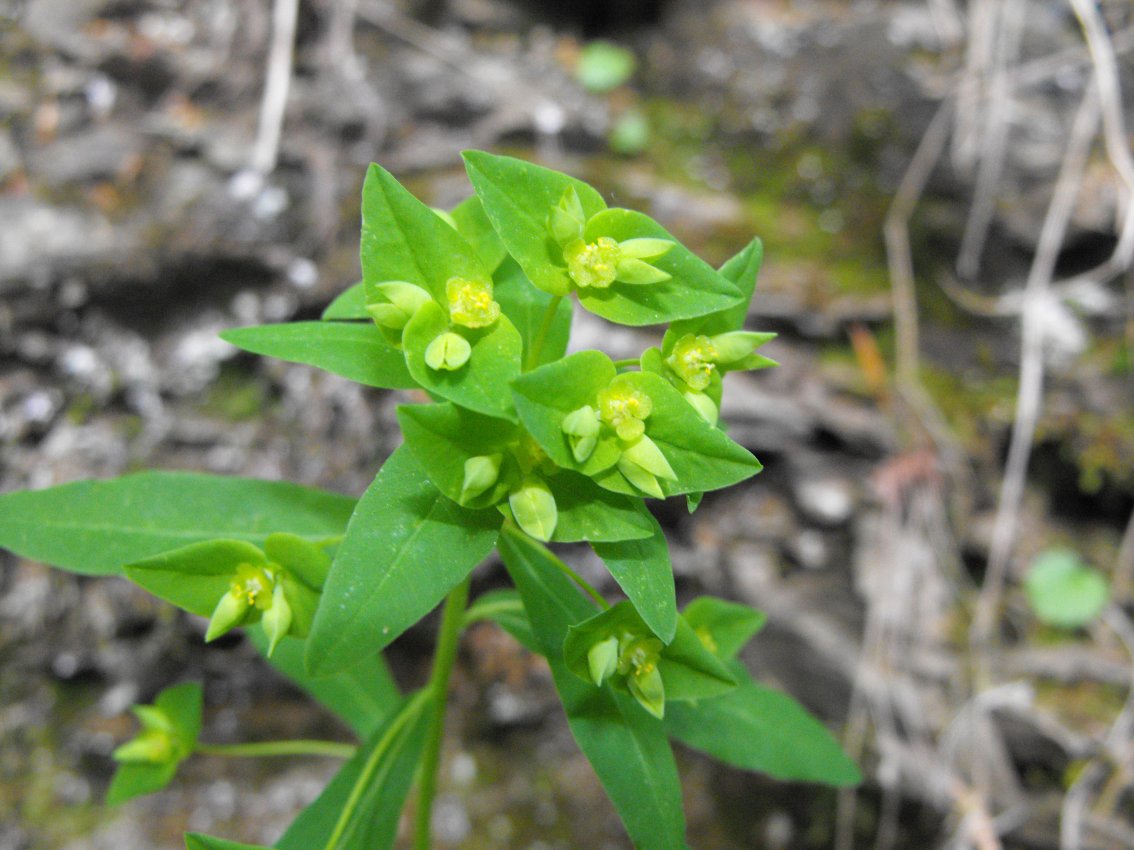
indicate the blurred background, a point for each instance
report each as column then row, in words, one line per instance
column 942, row 536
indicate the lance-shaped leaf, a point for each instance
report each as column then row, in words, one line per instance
column 688, row 670
column 481, row 383
column 623, row 743
column 362, row 696
column 352, row 349
column 348, row 304
column 693, row 288
column 403, row 239
column 701, row 456
column 473, row 224
column 518, row 197
column 643, row 571
column 96, row 527
column 199, row 841
column 406, row 546
column 587, row 512
column 527, row 307
column 382, row 771
column 723, row 627
column 758, row 728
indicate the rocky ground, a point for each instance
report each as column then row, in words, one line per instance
column 138, row 218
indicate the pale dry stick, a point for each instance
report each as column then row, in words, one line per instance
column 1124, row 565
column 947, row 22
column 896, row 234
column 978, row 57
column 445, row 49
column 996, row 127
column 1030, row 394
column 273, row 105
column 1118, row 746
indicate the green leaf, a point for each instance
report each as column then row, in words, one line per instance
column 362, row 696
column 689, row 671
column 136, row 779
column 506, row 609
column 588, row 512
column 473, row 224
column 403, row 239
column 301, row 558
column 527, row 307
column 1063, row 591
column 443, row 437
column 385, row 767
column 703, row 457
column 604, row 66
column 518, row 197
column 348, row 304
column 643, row 571
column 198, row 841
column 544, row 396
column 196, row 576
column 757, row 728
column 481, row 384
column 723, row 626
column 625, row 745
column 406, row 546
column 693, row 288
column 183, row 704
column 354, row 350
column 96, row 527
column 741, row 270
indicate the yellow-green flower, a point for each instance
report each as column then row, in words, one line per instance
column 598, row 264
column 582, row 429
column 694, row 359
column 638, row 661
column 470, row 302
column 250, row 591
column 625, row 408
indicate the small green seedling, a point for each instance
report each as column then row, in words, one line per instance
column 1063, row 591
column 510, row 445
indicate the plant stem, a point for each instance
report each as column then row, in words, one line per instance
column 582, row 583
column 303, row 747
column 485, row 610
column 628, row 363
column 444, row 656
column 541, row 335
column 405, row 715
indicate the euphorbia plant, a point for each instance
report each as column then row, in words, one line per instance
column 509, row 444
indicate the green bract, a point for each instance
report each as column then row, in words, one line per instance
column 509, row 444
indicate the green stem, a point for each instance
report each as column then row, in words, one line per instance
column 541, row 335
column 304, row 747
column 628, row 363
column 486, row 610
column 408, row 712
column 444, row 656
column 582, row 583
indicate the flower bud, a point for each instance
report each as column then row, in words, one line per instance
column 277, row 619
column 152, row 746
column 450, row 351
column 602, row 659
column 230, row 612
column 736, row 345
column 481, row 472
column 534, row 509
column 402, row 301
column 582, row 429
column 648, row 689
column 565, row 222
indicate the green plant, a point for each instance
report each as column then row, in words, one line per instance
column 519, row 446
column 1063, row 591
